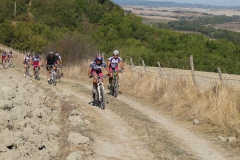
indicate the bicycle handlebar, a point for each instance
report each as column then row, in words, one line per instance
column 96, row 77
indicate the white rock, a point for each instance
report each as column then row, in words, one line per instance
column 231, row 139
column 74, row 156
column 75, row 138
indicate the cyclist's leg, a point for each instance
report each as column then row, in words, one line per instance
column 94, row 79
column 25, row 69
column 4, row 61
column 34, row 72
column 110, row 77
column 48, row 72
column 9, row 61
column 117, row 74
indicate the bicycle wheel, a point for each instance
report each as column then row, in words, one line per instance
column 36, row 73
column 58, row 74
column 112, row 86
column 27, row 72
column 3, row 65
column 115, row 92
column 53, row 78
column 102, row 100
column 95, row 99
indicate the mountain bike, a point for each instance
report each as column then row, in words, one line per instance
column 37, row 72
column 99, row 98
column 4, row 63
column 52, row 75
column 27, row 72
column 58, row 73
column 9, row 62
column 114, row 84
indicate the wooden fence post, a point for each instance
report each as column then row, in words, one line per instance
column 131, row 61
column 220, row 75
column 144, row 67
column 103, row 56
column 160, row 69
column 192, row 69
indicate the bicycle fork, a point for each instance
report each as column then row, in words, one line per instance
column 99, row 91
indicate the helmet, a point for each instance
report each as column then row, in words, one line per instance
column 36, row 55
column 98, row 57
column 57, row 54
column 28, row 54
column 115, row 52
column 51, row 52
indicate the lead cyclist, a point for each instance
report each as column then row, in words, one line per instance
column 95, row 69
column 113, row 65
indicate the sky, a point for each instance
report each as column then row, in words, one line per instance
column 209, row 2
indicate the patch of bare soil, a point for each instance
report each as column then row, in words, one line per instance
column 229, row 26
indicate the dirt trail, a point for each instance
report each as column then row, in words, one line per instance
column 203, row 148
column 118, row 130
column 114, row 138
column 113, row 135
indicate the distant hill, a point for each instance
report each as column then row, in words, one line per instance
column 171, row 4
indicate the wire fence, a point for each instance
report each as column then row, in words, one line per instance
column 202, row 80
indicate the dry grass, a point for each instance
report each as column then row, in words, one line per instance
column 217, row 108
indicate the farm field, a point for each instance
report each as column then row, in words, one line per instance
column 229, row 26
column 166, row 14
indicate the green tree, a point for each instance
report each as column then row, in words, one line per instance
column 6, row 33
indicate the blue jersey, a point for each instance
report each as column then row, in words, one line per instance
column 36, row 59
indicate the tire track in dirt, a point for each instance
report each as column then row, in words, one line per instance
column 114, row 139
column 202, row 148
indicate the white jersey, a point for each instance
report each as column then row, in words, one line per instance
column 114, row 61
column 27, row 59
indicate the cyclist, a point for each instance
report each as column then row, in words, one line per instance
column 9, row 58
column 26, row 61
column 113, row 65
column 59, row 58
column 36, row 62
column 50, row 62
column 95, row 70
column 4, row 57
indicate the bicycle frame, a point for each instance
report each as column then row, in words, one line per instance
column 27, row 69
column 99, row 96
column 114, row 84
column 9, row 62
column 52, row 76
column 4, row 63
column 37, row 72
column 58, row 73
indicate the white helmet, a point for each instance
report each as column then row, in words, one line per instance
column 115, row 52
